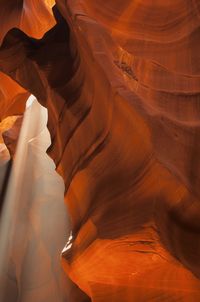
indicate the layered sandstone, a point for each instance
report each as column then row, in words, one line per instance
column 121, row 82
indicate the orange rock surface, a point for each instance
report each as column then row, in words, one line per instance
column 121, row 81
column 34, row 21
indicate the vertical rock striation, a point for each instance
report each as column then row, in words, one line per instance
column 121, row 82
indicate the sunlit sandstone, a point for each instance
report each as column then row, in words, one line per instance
column 121, row 83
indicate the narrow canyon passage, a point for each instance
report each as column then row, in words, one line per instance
column 34, row 224
column 121, row 83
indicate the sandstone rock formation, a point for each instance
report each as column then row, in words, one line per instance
column 34, row 21
column 121, row 82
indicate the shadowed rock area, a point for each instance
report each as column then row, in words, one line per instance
column 121, row 82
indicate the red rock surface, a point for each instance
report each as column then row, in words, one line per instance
column 121, row 82
column 34, row 21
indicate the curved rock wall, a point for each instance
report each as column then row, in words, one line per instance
column 35, row 21
column 121, row 84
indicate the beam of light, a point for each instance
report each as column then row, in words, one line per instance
column 34, row 224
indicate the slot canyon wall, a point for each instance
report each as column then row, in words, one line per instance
column 121, row 82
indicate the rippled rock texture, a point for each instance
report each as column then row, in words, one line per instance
column 121, row 81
